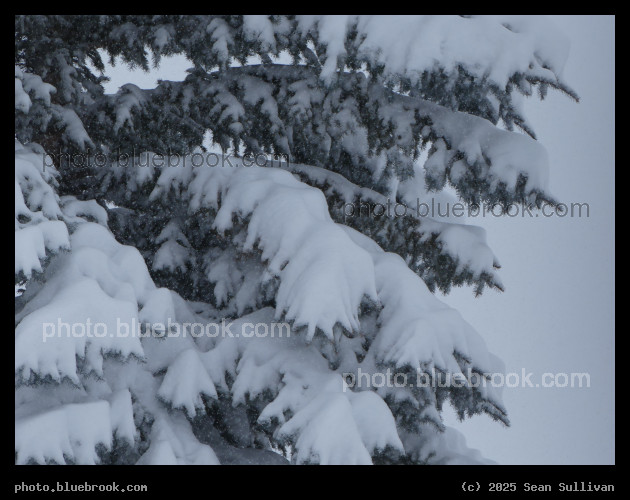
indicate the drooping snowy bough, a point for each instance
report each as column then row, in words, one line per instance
column 128, row 232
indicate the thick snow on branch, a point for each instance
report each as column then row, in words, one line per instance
column 101, row 282
column 465, row 244
column 323, row 276
column 494, row 47
column 327, row 424
column 369, row 133
column 74, row 431
column 419, row 331
column 38, row 232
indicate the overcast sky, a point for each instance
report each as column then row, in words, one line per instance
column 557, row 312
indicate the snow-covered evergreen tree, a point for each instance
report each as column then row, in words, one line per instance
column 102, row 242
